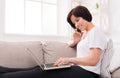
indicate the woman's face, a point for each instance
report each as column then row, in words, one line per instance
column 79, row 22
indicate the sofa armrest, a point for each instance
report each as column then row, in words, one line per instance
column 15, row 55
column 116, row 73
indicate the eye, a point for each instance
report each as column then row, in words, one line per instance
column 77, row 19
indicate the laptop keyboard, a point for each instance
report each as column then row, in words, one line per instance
column 50, row 65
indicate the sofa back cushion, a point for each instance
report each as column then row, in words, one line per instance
column 14, row 54
column 54, row 50
column 115, row 61
column 105, row 71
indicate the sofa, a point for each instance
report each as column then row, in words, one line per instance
column 15, row 54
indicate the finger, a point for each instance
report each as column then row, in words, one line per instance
column 60, row 63
column 57, row 62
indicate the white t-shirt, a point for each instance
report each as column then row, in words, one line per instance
column 95, row 38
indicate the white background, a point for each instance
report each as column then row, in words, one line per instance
column 114, row 17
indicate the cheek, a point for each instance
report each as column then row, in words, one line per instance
column 80, row 22
column 81, row 27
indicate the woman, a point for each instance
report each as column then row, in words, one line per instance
column 91, row 43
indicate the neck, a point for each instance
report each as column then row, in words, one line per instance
column 90, row 26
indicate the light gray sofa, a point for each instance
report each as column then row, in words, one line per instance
column 15, row 55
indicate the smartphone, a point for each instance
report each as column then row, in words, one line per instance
column 78, row 30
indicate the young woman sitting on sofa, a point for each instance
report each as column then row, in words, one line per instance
column 91, row 43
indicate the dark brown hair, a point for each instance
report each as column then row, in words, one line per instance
column 79, row 11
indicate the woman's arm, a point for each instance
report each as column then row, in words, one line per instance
column 90, row 60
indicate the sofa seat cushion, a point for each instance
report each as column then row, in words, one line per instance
column 15, row 55
column 54, row 50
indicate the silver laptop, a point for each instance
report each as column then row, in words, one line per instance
column 49, row 66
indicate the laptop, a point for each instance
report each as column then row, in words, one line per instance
column 49, row 66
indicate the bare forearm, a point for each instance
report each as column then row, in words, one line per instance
column 87, row 61
column 91, row 60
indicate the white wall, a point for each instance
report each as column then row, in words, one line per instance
column 115, row 20
column 114, row 24
column 6, row 37
column 1, row 16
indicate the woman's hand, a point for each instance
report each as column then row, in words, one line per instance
column 76, row 36
column 61, row 61
column 75, row 39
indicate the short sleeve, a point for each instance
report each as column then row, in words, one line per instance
column 97, row 39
